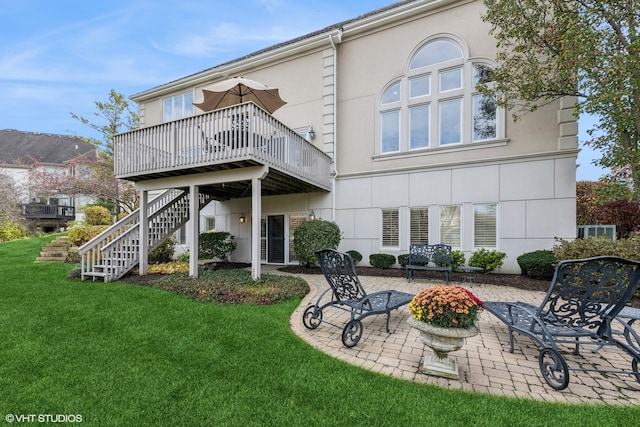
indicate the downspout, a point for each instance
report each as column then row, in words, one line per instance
column 334, row 173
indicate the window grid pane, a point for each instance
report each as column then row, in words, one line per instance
column 419, row 126
column 451, row 121
column 390, row 228
column 485, row 226
column 450, row 79
column 419, row 226
column 420, row 86
column 484, row 117
column 450, row 229
column 390, row 130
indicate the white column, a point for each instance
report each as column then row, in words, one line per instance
column 256, row 215
column 143, row 234
column 194, row 219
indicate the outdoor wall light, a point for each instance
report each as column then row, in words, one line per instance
column 311, row 133
column 243, row 219
column 312, row 215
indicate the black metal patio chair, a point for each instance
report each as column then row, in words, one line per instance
column 347, row 293
column 580, row 307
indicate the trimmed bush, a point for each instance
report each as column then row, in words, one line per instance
column 403, row 259
column 97, row 215
column 219, row 244
column 457, row 259
column 355, row 255
column 10, row 230
column 382, row 260
column 487, row 260
column 82, row 233
column 312, row 236
column 538, row 264
column 597, row 246
column 162, row 253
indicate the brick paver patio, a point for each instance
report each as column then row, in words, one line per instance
column 485, row 364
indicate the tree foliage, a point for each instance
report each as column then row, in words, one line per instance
column 589, row 49
column 624, row 214
column 93, row 176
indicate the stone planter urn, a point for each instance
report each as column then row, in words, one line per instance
column 442, row 341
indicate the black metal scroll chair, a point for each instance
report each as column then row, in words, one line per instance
column 346, row 293
column 583, row 300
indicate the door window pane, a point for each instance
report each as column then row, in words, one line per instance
column 451, row 121
column 419, row 126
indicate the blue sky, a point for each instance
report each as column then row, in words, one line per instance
column 59, row 57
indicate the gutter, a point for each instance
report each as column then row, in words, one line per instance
column 334, row 173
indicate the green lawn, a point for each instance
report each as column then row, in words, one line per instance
column 122, row 354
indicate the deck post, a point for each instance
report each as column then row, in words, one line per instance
column 143, row 237
column 194, row 218
column 256, row 215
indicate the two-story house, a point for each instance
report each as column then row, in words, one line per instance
column 20, row 152
column 383, row 132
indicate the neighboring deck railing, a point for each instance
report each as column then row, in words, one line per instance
column 43, row 211
column 242, row 132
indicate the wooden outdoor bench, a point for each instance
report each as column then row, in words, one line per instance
column 424, row 257
column 583, row 300
column 347, row 293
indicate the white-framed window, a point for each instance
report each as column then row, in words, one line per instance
column 177, row 107
column 485, row 226
column 435, row 103
column 418, row 225
column 450, row 225
column 390, row 228
column 209, row 223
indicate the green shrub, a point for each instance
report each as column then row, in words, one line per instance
column 163, row 253
column 382, row 260
column 539, row 264
column 486, row 259
column 11, row 230
column 597, row 246
column 312, row 236
column 403, row 259
column 219, row 244
column 97, row 215
column 82, row 233
column 355, row 256
column 457, row 259
column 183, row 257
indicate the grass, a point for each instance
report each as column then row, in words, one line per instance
column 124, row 354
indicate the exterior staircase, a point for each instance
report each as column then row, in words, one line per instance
column 56, row 250
column 116, row 251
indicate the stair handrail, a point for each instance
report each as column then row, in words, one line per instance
column 154, row 206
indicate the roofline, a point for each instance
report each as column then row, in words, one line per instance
column 315, row 40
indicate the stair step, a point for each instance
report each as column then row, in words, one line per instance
column 52, row 258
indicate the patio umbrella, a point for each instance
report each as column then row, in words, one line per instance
column 237, row 90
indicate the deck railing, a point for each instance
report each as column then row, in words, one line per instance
column 43, row 211
column 242, row 132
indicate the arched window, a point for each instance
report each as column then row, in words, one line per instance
column 436, row 104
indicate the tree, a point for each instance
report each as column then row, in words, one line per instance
column 590, row 49
column 91, row 176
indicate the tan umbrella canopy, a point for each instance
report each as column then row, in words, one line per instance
column 237, row 90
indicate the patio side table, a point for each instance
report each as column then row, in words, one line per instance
column 469, row 273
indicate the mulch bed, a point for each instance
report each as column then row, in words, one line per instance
column 512, row 280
